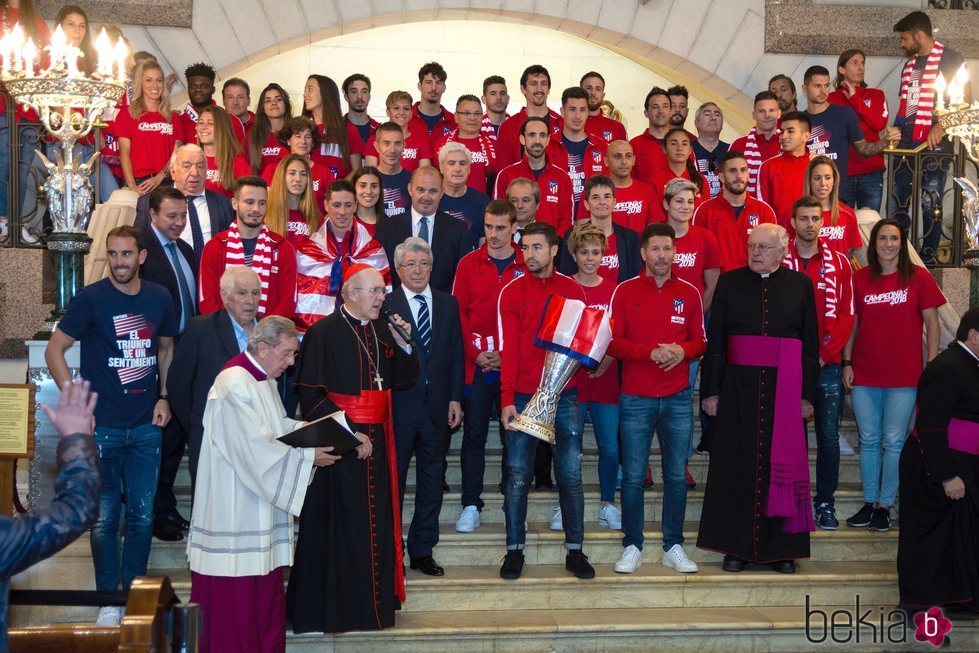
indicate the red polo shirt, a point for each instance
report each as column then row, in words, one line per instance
column 644, row 316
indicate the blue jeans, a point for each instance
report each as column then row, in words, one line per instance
column 519, row 470
column 826, row 419
column 883, row 416
column 129, row 460
column 108, row 182
column 672, row 419
column 482, row 402
column 863, row 191
column 605, row 421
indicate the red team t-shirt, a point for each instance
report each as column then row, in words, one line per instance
column 604, row 389
column 658, row 183
column 320, row 176
column 273, row 151
column 152, row 139
column 481, row 151
column 296, row 228
column 696, row 251
column 633, row 207
column 888, row 351
column 240, row 168
column 417, row 147
column 609, row 269
column 843, row 236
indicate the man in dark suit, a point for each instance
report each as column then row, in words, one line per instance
column 448, row 237
column 599, row 199
column 170, row 262
column 424, row 413
column 208, row 342
column 208, row 212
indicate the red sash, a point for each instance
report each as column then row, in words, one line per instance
column 374, row 407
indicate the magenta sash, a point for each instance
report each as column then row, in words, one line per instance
column 963, row 436
column 788, row 489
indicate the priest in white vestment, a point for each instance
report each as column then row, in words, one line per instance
column 248, row 487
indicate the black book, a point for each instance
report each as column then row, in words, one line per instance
column 329, row 431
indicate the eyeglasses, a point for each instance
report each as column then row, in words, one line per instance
column 759, row 246
column 417, row 265
column 373, row 292
column 469, row 114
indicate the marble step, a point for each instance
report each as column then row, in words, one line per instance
column 487, row 545
column 698, row 465
column 540, row 504
column 629, row 629
column 552, row 587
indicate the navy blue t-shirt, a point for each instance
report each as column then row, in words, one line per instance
column 469, row 208
column 119, row 335
column 709, row 164
column 431, row 121
column 394, row 193
column 833, row 131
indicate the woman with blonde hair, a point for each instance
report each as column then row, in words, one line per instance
column 292, row 210
column 225, row 162
column 148, row 131
column 822, row 181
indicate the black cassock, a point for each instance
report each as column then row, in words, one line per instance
column 343, row 576
column 938, row 542
column 733, row 520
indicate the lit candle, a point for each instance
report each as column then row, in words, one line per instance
column 940, row 92
column 17, row 41
column 71, row 61
column 57, row 47
column 104, row 50
column 5, row 51
column 121, row 54
column 961, row 79
column 30, row 52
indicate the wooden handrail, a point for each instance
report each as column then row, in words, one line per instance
column 143, row 628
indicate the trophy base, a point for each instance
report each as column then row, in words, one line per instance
column 532, row 427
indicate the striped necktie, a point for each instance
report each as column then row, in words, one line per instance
column 424, row 323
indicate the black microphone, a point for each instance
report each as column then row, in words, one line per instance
column 388, row 315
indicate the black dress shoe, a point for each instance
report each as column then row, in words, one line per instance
column 732, row 563
column 545, row 484
column 445, row 487
column 427, row 566
column 784, row 566
column 176, row 519
column 167, row 531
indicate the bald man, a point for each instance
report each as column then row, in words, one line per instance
column 759, row 378
column 447, row 236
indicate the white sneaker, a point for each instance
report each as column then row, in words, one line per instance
column 845, row 448
column 468, row 520
column 677, row 559
column 630, row 560
column 610, row 517
column 110, row 615
column 557, row 524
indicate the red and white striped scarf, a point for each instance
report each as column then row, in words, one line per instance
column 753, row 156
column 261, row 259
column 829, row 270
column 926, row 91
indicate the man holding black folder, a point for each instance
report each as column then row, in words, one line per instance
column 248, row 487
column 348, row 573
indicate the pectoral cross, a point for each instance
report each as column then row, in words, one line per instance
column 378, row 380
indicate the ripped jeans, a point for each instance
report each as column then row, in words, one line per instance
column 129, row 461
column 519, row 470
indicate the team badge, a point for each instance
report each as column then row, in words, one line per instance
column 678, row 305
column 607, row 135
column 553, row 187
column 753, row 220
column 596, row 156
column 517, row 274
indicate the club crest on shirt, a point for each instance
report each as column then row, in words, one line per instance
column 552, row 186
column 753, row 219
column 607, row 135
column 518, row 273
column 596, row 156
column 678, row 305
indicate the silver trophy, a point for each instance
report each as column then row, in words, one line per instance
column 573, row 334
column 537, row 417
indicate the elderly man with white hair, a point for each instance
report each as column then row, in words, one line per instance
column 249, row 487
column 460, row 198
column 348, row 573
column 759, row 378
column 208, row 212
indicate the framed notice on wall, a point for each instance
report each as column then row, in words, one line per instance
column 16, row 420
